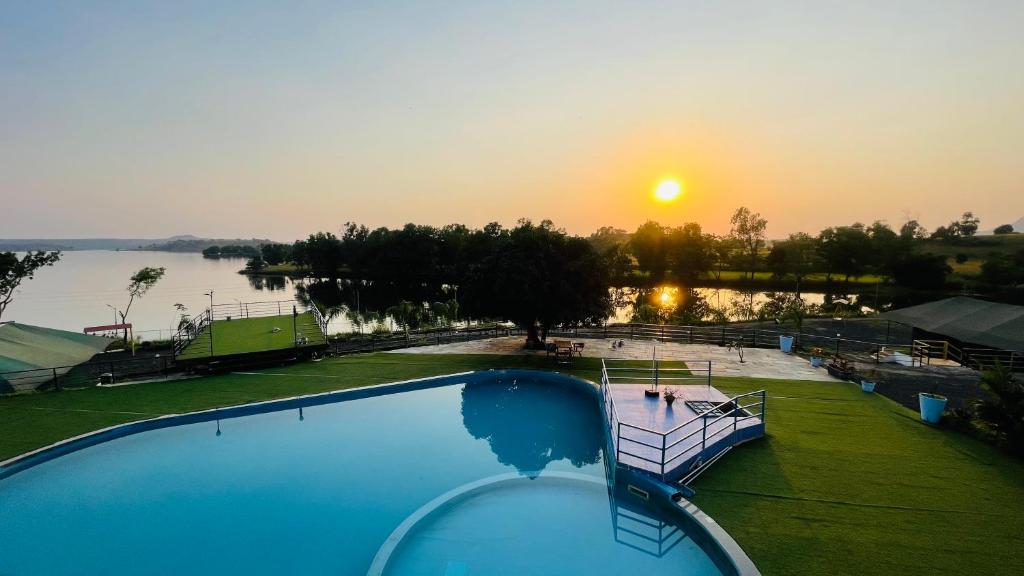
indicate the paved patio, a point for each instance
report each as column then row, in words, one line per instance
column 759, row 362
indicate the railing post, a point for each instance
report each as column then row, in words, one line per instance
column 764, row 406
column 664, row 441
column 703, row 437
column 690, row 334
column 618, row 440
column 56, row 382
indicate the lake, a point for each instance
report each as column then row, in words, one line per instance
column 75, row 292
column 78, row 290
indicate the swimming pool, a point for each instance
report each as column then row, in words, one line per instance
column 483, row 473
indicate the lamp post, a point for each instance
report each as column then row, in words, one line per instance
column 210, row 316
column 115, row 312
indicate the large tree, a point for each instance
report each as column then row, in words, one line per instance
column 648, row 247
column 321, row 252
column 887, row 248
column 967, row 226
column 14, row 270
column 845, row 250
column 689, row 252
column 539, row 277
column 796, row 256
column 921, row 271
column 748, row 231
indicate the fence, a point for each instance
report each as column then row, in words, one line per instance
column 239, row 309
column 712, row 335
column 724, row 335
column 391, row 341
column 88, row 374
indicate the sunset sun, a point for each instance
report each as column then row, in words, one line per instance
column 668, row 190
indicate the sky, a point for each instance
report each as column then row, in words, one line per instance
column 279, row 119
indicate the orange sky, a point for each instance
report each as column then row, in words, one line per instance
column 272, row 122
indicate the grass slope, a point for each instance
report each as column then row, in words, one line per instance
column 853, row 483
column 243, row 335
column 846, row 483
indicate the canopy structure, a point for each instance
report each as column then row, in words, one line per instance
column 968, row 320
column 24, row 347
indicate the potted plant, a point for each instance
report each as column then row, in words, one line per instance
column 670, row 396
column 841, row 368
column 794, row 310
column 817, row 357
column 867, row 383
column 786, row 344
column 932, row 406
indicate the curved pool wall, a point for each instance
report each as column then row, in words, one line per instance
column 632, row 487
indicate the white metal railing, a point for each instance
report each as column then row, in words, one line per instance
column 319, row 317
column 672, row 445
column 189, row 331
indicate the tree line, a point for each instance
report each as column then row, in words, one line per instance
column 538, row 276
column 655, row 253
column 532, row 274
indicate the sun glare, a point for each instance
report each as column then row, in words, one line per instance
column 668, row 190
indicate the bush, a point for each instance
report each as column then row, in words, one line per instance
column 923, row 271
column 1004, row 229
column 1003, row 414
column 961, row 258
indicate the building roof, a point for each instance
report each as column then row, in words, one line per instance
column 968, row 320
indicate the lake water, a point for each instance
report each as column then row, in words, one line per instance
column 77, row 292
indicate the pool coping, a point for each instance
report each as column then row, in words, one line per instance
column 730, row 550
column 394, row 541
column 32, row 458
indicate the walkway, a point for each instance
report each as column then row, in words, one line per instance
column 759, row 362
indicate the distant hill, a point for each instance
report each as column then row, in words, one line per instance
column 181, row 243
column 1018, row 226
column 21, row 245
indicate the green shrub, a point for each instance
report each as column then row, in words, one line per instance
column 1003, row 414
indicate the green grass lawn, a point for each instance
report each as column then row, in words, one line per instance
column 846, row 483
column 243, row 335
column 854, row 483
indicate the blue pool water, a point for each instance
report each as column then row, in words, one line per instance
column 324, row 491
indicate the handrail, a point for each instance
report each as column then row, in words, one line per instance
column 319, row 317
column 737, row 410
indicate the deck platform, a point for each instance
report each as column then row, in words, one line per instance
column 670, row 441
column 241, row 336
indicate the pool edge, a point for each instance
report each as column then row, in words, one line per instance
column 727, row 548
